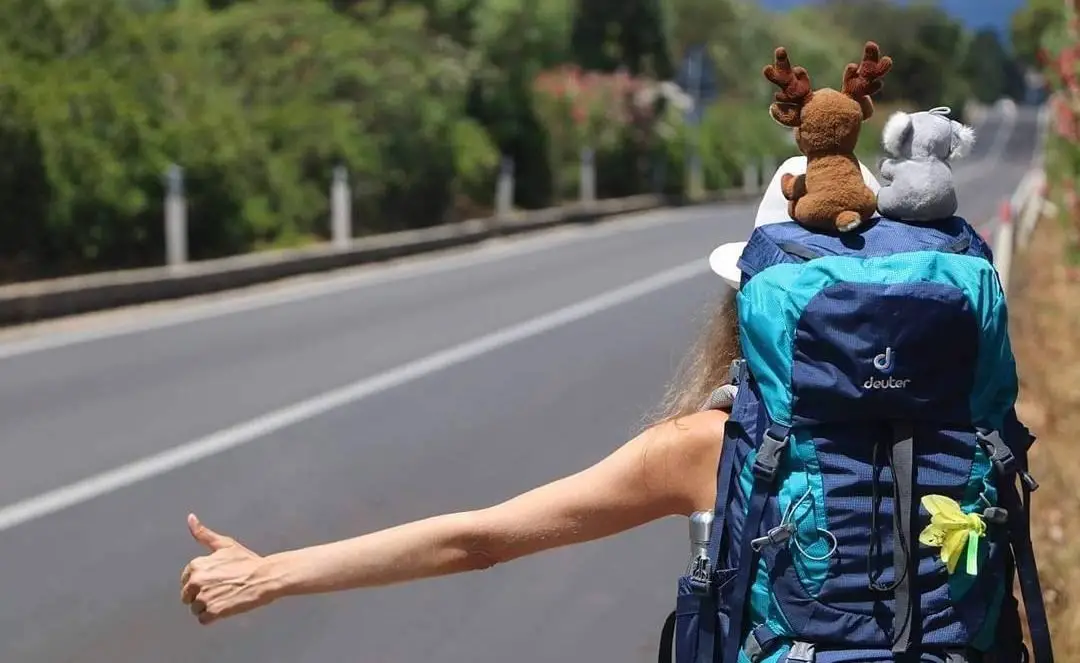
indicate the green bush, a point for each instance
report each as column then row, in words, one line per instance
column 476, row 162
column 257, row 103
column 418, row 99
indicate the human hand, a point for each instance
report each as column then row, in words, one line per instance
column 229, row 581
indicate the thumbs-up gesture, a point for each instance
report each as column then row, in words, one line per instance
column 228, row 581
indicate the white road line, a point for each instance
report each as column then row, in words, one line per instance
column 376, row 274
column 249, row 431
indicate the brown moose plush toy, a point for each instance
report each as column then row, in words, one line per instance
column 832, row 193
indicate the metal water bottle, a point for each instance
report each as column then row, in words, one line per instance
column 700, row 532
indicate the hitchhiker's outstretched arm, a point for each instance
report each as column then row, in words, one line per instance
column 657, row 474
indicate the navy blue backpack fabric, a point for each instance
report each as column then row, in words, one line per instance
column 876, row 370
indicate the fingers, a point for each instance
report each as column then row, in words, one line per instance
column 211, row 606
column 206, row 536
column 210, row 585
column 188, row 592
column 208, row 600
column 202, row 613
column 199, row 603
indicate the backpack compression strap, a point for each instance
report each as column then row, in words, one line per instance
column 1009, row 467
column 904, row 562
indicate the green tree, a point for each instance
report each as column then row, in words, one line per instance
column 613, row 34
column 936, row 61
column 1030, row 24
column 259, row 100
column 989, row 70
column 515, row 40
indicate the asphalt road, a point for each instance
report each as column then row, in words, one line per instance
column 97, row 581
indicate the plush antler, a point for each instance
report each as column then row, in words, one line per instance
column 794, row 82
column 864, row 79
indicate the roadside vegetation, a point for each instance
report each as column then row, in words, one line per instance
column 1045, row 309
column 259, row 100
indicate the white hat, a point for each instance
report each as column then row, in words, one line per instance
column 773, row 208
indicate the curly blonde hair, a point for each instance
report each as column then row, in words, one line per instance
column 706, row 365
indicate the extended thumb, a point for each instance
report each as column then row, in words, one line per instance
column 205, row 535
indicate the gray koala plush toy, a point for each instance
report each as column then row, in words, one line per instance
column 916, row 177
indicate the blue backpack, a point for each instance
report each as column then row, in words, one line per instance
column 877, row 387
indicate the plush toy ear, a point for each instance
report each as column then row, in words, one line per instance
column 866, row 104
column 785, row 114
column 963, row 139
column 897, row 133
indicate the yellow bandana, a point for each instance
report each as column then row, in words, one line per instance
column 950, row 529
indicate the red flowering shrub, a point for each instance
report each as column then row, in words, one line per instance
column 608, row 112
column 1063, row 72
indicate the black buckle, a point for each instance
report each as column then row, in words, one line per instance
column 1029, row 481
column 767, row 460
column 706, row 579
column 995, row 515
column 701, row 577
column 1000, row 454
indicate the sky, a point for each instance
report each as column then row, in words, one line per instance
column 973, row 13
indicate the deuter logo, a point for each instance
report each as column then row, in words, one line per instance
column 884, row 363
column 888, row 383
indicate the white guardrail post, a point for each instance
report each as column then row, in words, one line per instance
column 504, row 188
column 340, row 208
column 587, row 183
column 1017, row 220
column 1003, row 244
column 176, row 233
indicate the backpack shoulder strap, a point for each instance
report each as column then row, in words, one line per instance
column 707, row 579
